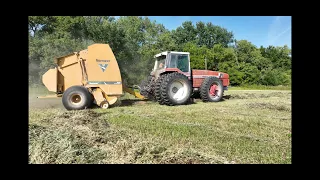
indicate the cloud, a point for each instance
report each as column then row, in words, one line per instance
column 280, row 34
column 278, row 28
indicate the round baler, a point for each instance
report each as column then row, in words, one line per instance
column 86, row 77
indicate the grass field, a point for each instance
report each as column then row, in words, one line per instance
column 247, row 127
column 260, row 87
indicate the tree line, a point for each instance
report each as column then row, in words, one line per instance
column 135, row 40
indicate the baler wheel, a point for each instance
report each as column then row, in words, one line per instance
column 77, row 98
column 104, row 105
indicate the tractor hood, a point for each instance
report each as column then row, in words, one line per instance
column 205, row 73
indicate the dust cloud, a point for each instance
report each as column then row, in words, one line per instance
column 43, row 103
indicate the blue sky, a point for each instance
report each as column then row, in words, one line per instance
column 259, row 30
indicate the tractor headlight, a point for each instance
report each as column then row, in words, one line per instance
column 220, row 75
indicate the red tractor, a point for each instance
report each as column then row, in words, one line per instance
column 173, row 82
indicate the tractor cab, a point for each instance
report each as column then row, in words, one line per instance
column 171, row 59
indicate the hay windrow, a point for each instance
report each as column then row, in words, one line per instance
column 278, row 107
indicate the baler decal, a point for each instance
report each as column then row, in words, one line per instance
column 103, row 67
column 104, row 82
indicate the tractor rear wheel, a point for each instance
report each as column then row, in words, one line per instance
column 77, row 98
column 146, row 88
column 211, row 89
column 157, row 89
column 175, row 89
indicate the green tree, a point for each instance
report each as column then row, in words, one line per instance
column 40, row 24
column 221, row 55
column 279, row 56
column 135, row 40
column 236, row 76
column 198, row 56
column 203, row 34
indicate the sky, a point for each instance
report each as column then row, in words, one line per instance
column 259, row 30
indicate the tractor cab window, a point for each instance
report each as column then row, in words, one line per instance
column 160, row 62
column 180, row 61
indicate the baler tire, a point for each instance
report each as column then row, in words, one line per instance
column 71, row 95
column 205, row 89
column 157, row 89
column 166, row 84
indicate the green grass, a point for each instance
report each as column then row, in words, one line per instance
column 259, row 87
column 247, row 127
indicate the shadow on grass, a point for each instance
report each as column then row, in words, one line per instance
column 226, row 97
column 132, row 102
column 123, row 103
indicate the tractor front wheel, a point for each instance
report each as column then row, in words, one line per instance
column 77, row 98
column 211, row 89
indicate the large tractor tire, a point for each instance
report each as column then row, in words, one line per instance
column 175, row 89
column 157, row 89
column 146, row 88
column 77, row 98
column 211, row 89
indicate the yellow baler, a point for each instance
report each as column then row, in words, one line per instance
column 85, row 77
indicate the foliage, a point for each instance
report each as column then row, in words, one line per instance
column 135, row 40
